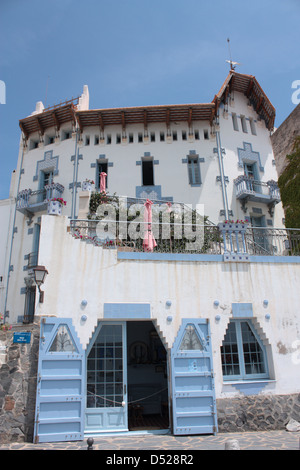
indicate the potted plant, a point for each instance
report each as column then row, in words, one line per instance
column 87, row 185
column 55, row 206
column 4, row 326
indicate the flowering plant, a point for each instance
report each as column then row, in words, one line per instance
column 4, row 326
column 109, row 243
column 58, row 199
column 89, row 181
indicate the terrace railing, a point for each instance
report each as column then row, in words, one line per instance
column 176, row 237
column 118, row 222
column 273, row 241
column 169, row 238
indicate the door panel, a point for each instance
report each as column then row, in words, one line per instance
column 261, row 240
column 61, row 383
column 107, row 379
column 194, row 404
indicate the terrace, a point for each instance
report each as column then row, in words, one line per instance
column 176, row 228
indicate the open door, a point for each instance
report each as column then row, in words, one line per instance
column 61, row 383
column 193, row 390
column 106, row 408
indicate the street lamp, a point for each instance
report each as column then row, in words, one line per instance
column 40, row 273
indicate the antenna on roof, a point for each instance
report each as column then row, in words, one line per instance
column 46, row 91
column 232, row 64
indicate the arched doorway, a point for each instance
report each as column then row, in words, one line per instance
column 127, row 379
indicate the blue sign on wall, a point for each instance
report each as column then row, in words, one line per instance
column 22, row 337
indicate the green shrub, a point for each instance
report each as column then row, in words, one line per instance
column 289, row 184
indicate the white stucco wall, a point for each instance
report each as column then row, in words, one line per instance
column 232, row 140
column 125, row 175
column 7, row 207
column 80, row 271
column 170, row 173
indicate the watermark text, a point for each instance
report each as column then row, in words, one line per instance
column 296, row 94
column 2, row 92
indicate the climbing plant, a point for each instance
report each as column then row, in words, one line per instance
column 289, row 184
column 98, row 198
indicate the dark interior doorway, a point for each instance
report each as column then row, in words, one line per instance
column 146, row 378
column 147, row 171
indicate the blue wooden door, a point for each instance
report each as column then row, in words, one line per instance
column 106, row 407
column 193, row 391
column 61, row 383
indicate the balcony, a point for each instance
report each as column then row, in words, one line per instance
column 32, row 259
column 29, row 202
column 248, row 189
column 177, row 229
column 254, row 242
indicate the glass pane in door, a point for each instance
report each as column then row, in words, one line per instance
column 105, row 369
column 63, row 341
column 190, row 340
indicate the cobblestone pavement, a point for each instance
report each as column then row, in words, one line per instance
column 264, row 440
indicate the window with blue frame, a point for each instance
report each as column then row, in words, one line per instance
column 250, row 170
column 242, row 352
column 45, row 178
column 102, row 166
column 147, row 172
column 194, row 171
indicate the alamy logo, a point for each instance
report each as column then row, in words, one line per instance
column 296, row 94
column 2, row 92
column 122, row 223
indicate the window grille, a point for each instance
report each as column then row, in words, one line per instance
column 243, row 354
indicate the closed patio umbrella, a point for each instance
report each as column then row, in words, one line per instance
column 149, row 241
column 103, row 182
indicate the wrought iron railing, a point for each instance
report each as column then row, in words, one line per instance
column 33, row 259
column 169, row 238
column 273, row 241
column 27, row 197
column 33, row 201
column 248, row 186
column 178, row 237
column 118, row 222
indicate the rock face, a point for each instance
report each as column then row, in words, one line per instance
column 18, row 376
column 257, row 412
column 283, row 139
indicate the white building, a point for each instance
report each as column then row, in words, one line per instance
column 187, row 329
column 7, row 214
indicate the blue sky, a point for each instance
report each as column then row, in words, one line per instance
column 138, row 53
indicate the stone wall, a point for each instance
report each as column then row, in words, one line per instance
column 18, row 378
column 257, row 412
column 284, row 137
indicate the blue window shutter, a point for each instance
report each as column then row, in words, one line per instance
column 194, row 171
